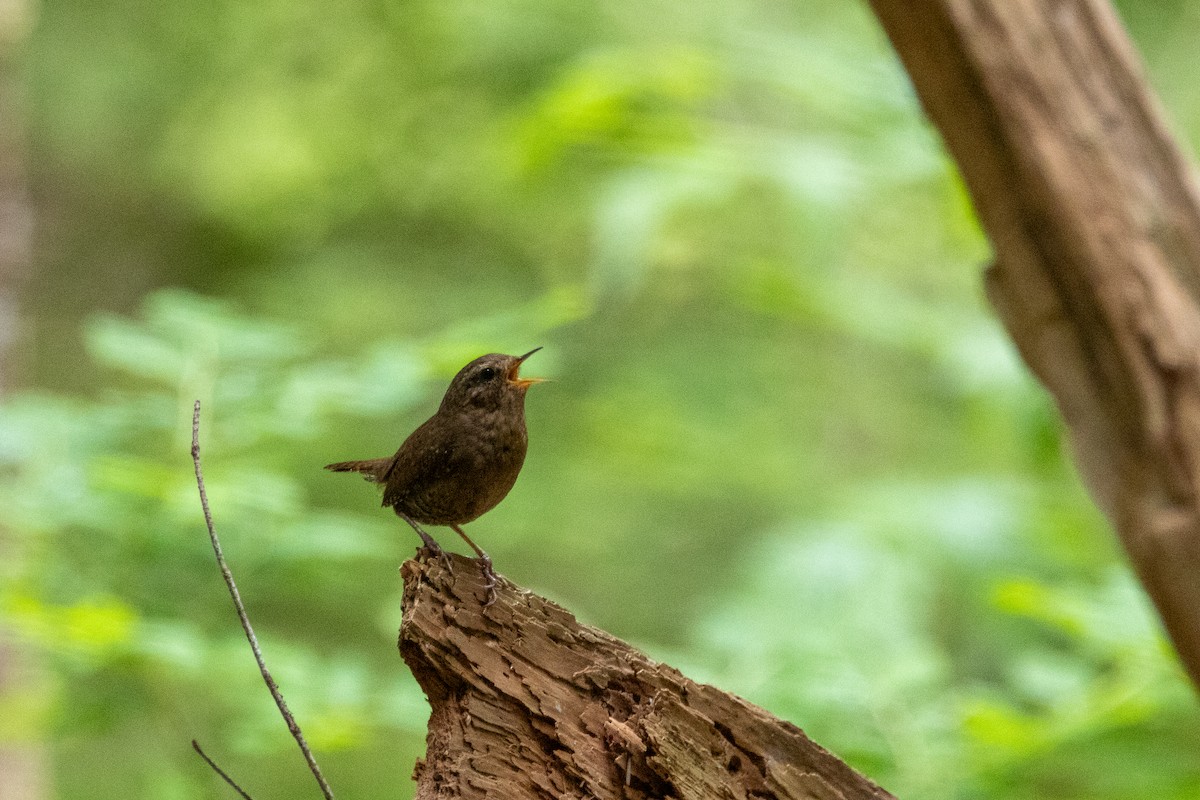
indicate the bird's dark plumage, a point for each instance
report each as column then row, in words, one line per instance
column 464, row 459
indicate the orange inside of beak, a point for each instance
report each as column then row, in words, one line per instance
column 514, row 371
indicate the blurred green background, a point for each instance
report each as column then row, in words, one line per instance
column 786, row 446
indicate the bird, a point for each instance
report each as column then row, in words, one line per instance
column 461, row 462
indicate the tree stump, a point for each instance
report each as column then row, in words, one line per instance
column 529, row 703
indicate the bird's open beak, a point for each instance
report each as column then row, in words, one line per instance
column 514, row 372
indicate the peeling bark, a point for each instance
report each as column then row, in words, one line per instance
column 529, row 703
column 1094, row 215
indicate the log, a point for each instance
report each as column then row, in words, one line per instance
column 529, row 703
column 1094, row 216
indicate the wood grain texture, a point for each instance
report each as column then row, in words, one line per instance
column 1094, row 216
column 529, row 703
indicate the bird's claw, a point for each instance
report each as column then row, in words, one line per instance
column 489, row 580
column 435, row 550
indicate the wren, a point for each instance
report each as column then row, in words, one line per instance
column 461, row 462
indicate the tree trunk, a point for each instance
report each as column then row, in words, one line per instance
column 23, row 761
column 528, row 703
column 1094, row 216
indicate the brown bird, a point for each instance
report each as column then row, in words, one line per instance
column 464, row 459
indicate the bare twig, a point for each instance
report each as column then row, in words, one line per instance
column 241, row 612
column 219, row 771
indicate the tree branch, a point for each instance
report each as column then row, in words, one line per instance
column 1095, row 219
column 293, row 726
column 220, row 772
column 527, row 702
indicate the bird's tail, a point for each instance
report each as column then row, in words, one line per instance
column 373, row 469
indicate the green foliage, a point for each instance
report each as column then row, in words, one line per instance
column 785, row 446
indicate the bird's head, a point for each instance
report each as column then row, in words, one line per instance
column 490, row 381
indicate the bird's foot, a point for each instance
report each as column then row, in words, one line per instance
column 485, row 566
column 431, row 544
column 441, row 555
column 489, row 579
column 434, row 549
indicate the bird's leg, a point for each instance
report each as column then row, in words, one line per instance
column 485, row 564
column 430, row 543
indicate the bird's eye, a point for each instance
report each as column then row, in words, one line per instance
column 487, row 373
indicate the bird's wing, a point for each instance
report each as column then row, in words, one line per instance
column 424, row 456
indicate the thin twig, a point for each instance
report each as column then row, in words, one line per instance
column 241, row 612
column 219, row 771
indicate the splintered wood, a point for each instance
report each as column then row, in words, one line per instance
column 529, row 703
